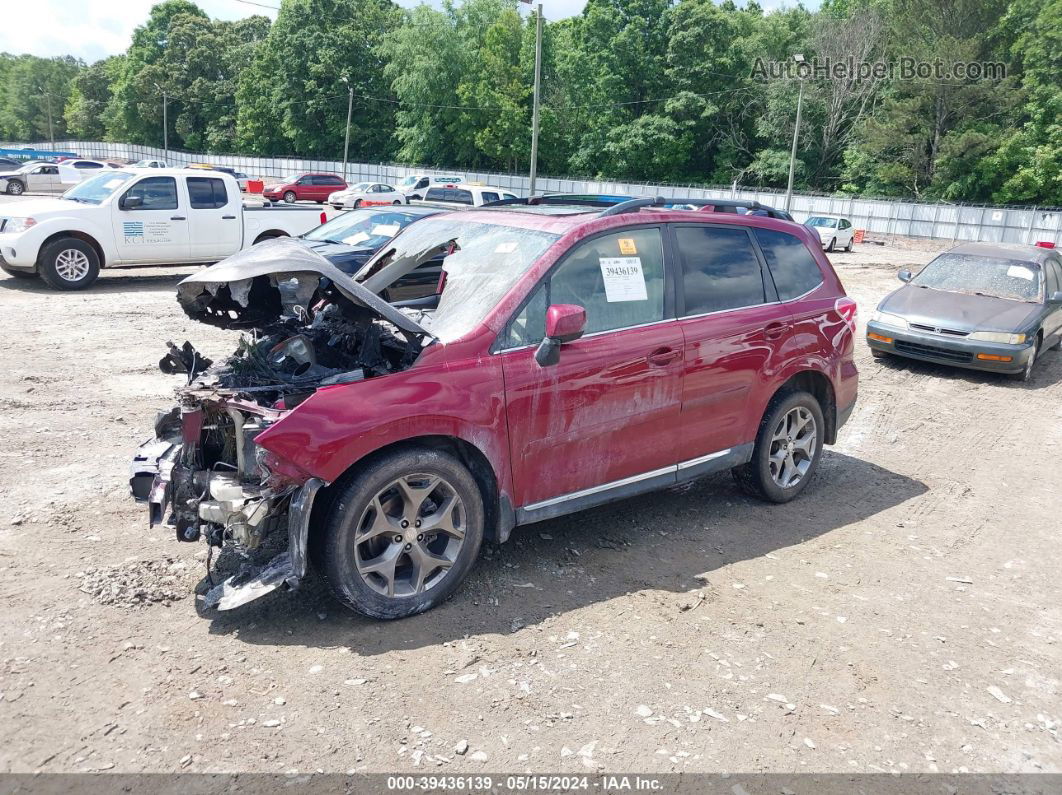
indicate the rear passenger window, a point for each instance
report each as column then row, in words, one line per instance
column 617, row 278
column 462, row 196
column 720, row 270
column 488, row 196
column 792, row 266
column 206, row 193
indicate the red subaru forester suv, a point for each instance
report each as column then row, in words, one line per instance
column 569, row 356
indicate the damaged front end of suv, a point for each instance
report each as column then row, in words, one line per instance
column 308, row 326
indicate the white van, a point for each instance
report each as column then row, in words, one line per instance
column 415, row 185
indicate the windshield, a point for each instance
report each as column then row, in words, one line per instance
column 828, row 223
column 408, row 181
column 362, row 228
column 484, row 263
column 97, row 188
column 968, row 273
column 361, row 186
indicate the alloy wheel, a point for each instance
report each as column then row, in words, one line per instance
column 72, row 265
column 409, row 535
column 793, row 446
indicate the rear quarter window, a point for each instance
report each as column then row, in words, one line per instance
column 792, row 266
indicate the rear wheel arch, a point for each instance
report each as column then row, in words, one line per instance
column 269, row 235
column 499, row 516
column 818, row 385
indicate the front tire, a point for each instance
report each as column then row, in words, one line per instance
column 15, row 188
column 788, row 449
column 289, row 197
column 401, row 535
column 68, row 264
column 356, row 204
column 1026, row 374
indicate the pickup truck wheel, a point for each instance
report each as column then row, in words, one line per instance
column 788, row 449
column 17, row 273
column 68, row 264
column 15, row 188
column 402, row 535
column 290, row 197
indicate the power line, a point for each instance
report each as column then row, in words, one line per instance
column 260, row 5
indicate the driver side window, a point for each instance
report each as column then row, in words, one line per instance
column 617, row 278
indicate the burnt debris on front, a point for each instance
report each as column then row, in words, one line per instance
column 306, row 328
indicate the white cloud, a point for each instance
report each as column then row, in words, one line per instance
column 94, row 29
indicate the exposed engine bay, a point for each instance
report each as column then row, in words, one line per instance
column 305, row 327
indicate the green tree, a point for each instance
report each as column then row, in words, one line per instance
column 35, row 91
column 89, row 95
column 297, row 79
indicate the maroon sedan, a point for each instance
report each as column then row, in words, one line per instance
column 308, row 186
column 568, row 356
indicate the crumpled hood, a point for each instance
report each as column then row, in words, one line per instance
column 959, row 311
column 279, row 260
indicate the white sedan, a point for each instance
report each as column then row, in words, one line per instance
column 834, row 233
column 365, row 194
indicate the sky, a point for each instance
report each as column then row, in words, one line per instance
column 94, row 29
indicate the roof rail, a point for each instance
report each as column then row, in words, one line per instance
column 632, row 205
column 578, row 199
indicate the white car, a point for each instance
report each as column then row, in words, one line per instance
column 149, row 163
column 33, row 177
column 365, row 194
column 138, row 216
column 415, row 185
column 834, row 232
column 467, row 195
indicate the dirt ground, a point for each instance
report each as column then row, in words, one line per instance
column 903, row 615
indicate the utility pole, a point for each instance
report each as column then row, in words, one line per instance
column 535, row 105
column 48, row 104
column 796, row 135
column 165, row 126
column 346, row 140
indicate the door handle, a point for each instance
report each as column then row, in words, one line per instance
column 774, row 331
column 662, row 356
column 228, row 218
column 177, row 218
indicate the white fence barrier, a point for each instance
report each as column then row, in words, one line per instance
column 956, row 222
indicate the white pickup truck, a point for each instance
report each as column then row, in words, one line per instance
column 127, row 216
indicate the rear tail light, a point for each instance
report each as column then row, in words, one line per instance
column 847, row 309
column 1045, row 244
column 324, row 216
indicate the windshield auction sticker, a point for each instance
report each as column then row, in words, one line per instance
column 624, row 280
column 627, row 247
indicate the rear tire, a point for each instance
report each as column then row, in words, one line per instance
column 787, row 451
column 381, row 568
column 68, row 264
column 17, row 273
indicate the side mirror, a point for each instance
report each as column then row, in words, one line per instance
column 1055, row 298
column 564, row 323
column 132, row 202
column 904, row 275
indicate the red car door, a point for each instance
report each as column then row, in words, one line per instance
column 605, row 418
column 732, row 327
